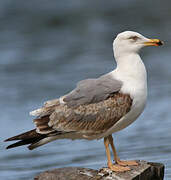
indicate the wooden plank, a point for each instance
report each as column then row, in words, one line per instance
column 145, row 171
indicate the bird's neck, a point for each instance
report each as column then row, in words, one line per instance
column 131, row 67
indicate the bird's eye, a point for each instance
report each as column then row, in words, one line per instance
column 133, row 38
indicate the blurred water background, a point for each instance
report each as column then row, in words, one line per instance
column 47, row 46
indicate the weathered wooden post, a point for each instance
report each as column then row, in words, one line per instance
column 145, row 171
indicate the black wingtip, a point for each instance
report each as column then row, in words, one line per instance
column 14, row 138
column 8, row 147
column 9, row 139
column 30, row 147
column 11, row 146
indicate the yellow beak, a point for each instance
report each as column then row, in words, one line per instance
column 154, row 42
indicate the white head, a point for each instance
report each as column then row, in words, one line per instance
column 129, row 42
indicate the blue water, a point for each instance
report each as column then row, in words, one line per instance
column 48, row 46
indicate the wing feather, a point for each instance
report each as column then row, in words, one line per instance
column 92, row 91
column 91, row 118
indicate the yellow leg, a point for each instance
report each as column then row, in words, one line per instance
column 116, row 158
column 113, row 167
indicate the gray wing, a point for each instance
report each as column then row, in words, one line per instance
column 92, row 91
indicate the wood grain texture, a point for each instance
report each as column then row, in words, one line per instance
column 145, row 171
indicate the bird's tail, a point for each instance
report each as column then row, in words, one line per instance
column 30, row 137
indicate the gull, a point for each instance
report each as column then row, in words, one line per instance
column 97, row 107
